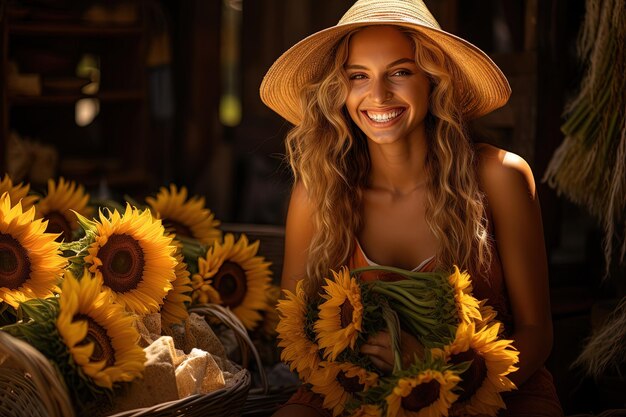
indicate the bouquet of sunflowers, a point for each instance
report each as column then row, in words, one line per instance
column 76, row 285
column 464, row 367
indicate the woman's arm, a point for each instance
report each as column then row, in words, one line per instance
column 508, row 183
column 298, row 234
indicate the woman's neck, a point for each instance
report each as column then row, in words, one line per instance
column 398, row 168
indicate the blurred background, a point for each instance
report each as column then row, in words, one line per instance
column 127, row 96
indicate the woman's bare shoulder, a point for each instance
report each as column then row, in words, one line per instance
column 301, row 208
column 298, row 234
column 501, row 172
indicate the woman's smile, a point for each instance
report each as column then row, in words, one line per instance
column 384, row 117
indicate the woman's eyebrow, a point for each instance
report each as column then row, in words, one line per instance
column 401, row 61
column 393, row 64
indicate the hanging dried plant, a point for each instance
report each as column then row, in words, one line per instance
column 606, row 349
column 590, row 165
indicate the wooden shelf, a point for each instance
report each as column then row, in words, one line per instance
column 115, row 148
column 71, row 29
column 106, row 97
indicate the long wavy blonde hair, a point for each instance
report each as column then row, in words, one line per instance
column 329, row 155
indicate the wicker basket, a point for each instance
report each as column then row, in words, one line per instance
column 223, row 402
column 30, row 386
column 263, row 400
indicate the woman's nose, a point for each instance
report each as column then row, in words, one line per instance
column 380, row 91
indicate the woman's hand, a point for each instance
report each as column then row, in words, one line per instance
column 378, row 348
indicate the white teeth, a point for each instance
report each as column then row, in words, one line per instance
column 383, row 117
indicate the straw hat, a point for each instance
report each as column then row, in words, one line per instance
column 485, row 88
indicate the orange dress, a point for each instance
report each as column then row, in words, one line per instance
column 536, row 397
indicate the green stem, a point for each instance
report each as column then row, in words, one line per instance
column 414, row 329
column 410, row 283
column 411, row 314
column 394, row 296
column 424, row 276
column 418, row 322
column 408, row 295
column 412, row 321
column 393, row 325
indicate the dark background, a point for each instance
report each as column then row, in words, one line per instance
column 165, row 75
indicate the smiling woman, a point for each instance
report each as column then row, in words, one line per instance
column 383, row 165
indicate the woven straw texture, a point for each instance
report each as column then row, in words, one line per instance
column 480, row 84
column 30, row 386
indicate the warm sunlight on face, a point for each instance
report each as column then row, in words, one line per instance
column 388, row 96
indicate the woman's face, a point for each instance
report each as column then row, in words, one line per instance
column 388, row 97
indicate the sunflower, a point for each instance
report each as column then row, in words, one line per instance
column 99, row 335
column 428, row 394
column 239, row 277
column 18, row 193
column 30, row 261
column 295, row 335
column 134, row 259
column 339, row 382
column 174, row 310
column 491, row 360
column 187, row 218
column 59, row 205
column 487, row 313
column 202, row 290
column 340, row 316
column 467, row 305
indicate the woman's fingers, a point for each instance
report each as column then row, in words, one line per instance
column 381, row 365
column 378, row 348
column 374, row 350
column 381, row 357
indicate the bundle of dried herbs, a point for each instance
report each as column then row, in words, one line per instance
column 590, row 165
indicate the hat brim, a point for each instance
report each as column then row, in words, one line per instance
column 484, row 90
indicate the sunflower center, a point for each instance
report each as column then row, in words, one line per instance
column 14, row 263
column 179, row 229
column 57, row 223
column 473, row 377
column 350, row 384
column 310, row 317
column 421, row 396
column 232, row 284
column 346, row 309
column 102, row 348
column 122, row 263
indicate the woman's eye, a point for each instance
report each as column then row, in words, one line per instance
column 357, row 76
column 401, row 73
